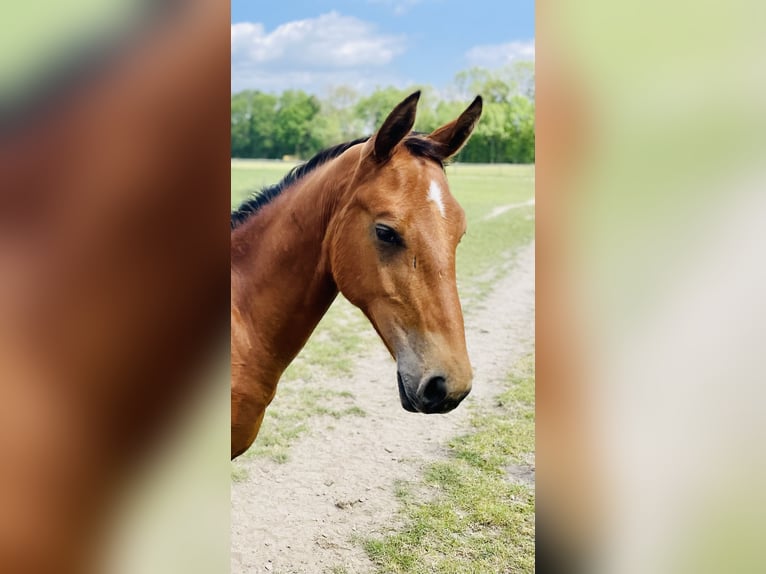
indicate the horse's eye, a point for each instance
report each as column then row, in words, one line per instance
column 387, row 235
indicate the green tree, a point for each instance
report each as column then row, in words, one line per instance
column 296, row 123
column 520, row 127
column 337, row 121
column 263, row 126
column 295, row 112
column 252, row 124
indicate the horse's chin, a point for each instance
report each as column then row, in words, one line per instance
column 406, row 402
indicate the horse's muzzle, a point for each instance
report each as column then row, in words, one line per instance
column 431, row 397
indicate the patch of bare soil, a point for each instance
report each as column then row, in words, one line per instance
column 339, row 483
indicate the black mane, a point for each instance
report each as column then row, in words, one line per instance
column 417, row 146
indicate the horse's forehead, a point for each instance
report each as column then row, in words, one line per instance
column 430, row 193
column 416, row 182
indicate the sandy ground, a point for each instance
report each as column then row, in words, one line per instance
column 301, row 516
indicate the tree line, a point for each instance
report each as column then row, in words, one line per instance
column 297, row 124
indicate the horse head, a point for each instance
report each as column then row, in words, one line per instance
column 392, row 253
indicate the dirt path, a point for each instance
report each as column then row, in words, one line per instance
column 339, row 482
column 498, row 211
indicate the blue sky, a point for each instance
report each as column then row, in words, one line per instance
column 313, row 45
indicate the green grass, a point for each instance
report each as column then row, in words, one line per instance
column 238, row 473
column 484, row 256
column 486, row 252
column 248, row 176
column 288, row 417
column 467, row 515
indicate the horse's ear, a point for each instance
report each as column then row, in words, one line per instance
column 397, row 125
column 452, row 136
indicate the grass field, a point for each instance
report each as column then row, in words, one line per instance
column 484, row 255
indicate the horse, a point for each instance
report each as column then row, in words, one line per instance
column 373, row 219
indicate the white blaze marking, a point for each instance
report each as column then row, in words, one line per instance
column 435, row 195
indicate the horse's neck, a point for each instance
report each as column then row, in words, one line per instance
column 281, row 283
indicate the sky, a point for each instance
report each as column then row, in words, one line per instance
column 317, row 44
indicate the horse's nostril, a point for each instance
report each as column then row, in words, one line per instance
column 435, row 390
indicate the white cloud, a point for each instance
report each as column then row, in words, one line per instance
column 311, row 53
column 496, row 55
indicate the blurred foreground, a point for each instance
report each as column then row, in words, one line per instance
column 651, row 281
column 114, row 193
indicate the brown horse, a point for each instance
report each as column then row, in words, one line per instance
column 373, row 219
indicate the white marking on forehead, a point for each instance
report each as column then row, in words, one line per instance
column 435, row 195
